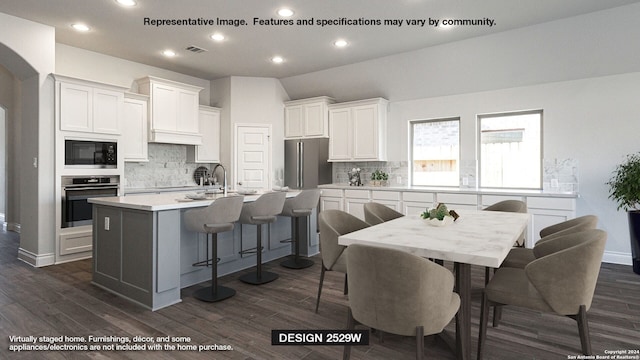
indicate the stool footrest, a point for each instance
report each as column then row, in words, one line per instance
column 251, row 251
column 206, row 263
column 286, row 241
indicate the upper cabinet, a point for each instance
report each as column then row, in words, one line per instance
column 357, row 130
column 134, row 136
column 307, row 118
column 173, row 111
column 87, row 106
column 209, row 151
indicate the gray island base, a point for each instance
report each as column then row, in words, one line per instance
column 142, row 251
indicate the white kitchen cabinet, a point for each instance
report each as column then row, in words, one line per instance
column 387, row 198
column 173, row 111
column 134, row 136
column 209, row 151
column 354, row 201
column 331, row 199
column 458, row 201
column 415, row 203
column 547, row 211
column 358, row 130
column 86, row 106
column 307, row 118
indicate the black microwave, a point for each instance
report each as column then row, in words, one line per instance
column 90, row 154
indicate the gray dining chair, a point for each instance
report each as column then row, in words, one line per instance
column 510, row 206
column 376, row 213
column 561, row 280
column 399, row 293
column 334, row 223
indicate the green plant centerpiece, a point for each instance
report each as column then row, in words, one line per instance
column 440, row 215
column 624, row 188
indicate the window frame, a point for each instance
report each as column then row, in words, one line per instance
column 410, row 147
column 479, row 118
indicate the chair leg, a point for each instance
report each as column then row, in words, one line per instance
column 322, row 270
column 351, row 324
column 484, row 318
column 346, row 285
column 583, row 330
column 419, row 342
column 497, row 315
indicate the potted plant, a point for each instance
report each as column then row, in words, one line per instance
column 624, row 188
column 379, row 178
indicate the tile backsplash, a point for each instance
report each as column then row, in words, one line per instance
column 397, row 170
column 167, row 166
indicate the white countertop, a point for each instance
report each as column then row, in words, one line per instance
column 167, row 200
column 460, row 190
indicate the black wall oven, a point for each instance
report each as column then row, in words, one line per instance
column 76, row 190
column 90, row 154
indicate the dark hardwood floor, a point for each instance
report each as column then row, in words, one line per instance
column 60, row 300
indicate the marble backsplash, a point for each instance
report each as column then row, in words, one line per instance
column 558, row 175
column 167, row 166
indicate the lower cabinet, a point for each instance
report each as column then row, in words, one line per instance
column 546, row 212
column 354, row 201
column 415, row 203
column 331, row 199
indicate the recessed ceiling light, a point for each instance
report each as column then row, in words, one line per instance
column 169, row 53
column 277, row 60
column 340, row 43
column 126, row 2
column 217, row 37
column 285, row 12
column 80, row 27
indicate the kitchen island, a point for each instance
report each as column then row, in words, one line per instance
column 142, row 251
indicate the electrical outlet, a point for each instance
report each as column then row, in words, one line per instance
column 399, row 179
column 106, row 223
column 465, row 181
column 554, row 183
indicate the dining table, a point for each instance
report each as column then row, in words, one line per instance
column 482, row 238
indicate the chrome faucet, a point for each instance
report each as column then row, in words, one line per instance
column 224, row 182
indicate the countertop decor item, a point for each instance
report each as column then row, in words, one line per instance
column 379, row 178
column 624, row 188
column 440, row 215
column 354, row 177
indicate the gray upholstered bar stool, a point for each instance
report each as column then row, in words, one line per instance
column 262, row 211
column 213, row 219
column 297, row 207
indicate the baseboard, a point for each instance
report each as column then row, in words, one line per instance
column 615, row 257
column 36, row 260
column 13, row 227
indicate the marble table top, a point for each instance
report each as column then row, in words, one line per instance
column 478, row 237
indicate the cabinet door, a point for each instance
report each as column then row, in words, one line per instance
column 107, row 110
column 365, row 132
column 209, row 151
column 331, row 203
column 355, row 207
column 315, row 117
column 187, row 120
column 75, row 107
column 340, row 140
column 134, row 133
column 164, row 108
column 293, row 122
column 541, row 218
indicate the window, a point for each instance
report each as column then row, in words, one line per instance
column 511, row 150
column 435, row 152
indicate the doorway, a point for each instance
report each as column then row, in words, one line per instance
column 253, row 156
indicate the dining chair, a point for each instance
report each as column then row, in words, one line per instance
column 399, row 293
column 561, row 280
column 510, row 206
column 334, row 223
column 376, row 213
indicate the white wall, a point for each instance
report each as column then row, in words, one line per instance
column 250, row 100
column 27, row 51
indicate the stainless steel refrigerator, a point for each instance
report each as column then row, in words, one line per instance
column 305, row 163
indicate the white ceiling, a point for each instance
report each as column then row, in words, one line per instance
column 121, row 32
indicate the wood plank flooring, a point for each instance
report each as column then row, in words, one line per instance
column 60, row 300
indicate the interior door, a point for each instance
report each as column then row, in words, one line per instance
column 253, row 154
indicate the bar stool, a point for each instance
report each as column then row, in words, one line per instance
column 262, row 211
column 213, row 219
column 295, row 208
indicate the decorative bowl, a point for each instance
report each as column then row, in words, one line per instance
column 447, row 220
